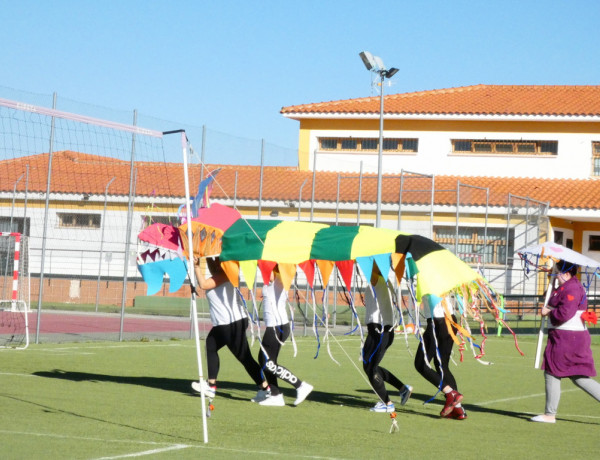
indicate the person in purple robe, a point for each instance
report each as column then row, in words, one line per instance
column 568, row 352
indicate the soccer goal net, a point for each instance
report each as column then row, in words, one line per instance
column 14, row 290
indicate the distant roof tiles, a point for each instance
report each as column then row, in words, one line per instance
column 499, row 100
column 79, row 173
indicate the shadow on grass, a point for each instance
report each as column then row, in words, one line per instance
column 423, row 398
column 160, row 383
column 226, row 389
column 231, row 390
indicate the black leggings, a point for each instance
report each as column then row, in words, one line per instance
column 271, row 342
column 376, row 344
column 234, row 336
column 445, row 342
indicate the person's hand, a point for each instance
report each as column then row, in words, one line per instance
column 546, row 310
column 200, row 262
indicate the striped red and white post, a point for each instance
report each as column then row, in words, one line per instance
column 15, row 284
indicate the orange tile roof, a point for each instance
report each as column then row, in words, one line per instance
column 470, row 100
column 79, row 173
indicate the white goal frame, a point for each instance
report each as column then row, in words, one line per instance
column 14, row 321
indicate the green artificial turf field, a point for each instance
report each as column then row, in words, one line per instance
column 133, row 399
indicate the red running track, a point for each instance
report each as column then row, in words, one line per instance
column 98, row 323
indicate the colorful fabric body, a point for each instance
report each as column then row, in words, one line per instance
column 568, row 352
column 244, row 244
column 247, row 241
column 224, row 305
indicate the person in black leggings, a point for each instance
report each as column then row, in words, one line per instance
column 277, row 330
column 379, row 318
column 229, row 322
column 437, row 332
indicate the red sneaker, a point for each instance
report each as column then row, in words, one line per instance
column 452, row 399
column 458, row 413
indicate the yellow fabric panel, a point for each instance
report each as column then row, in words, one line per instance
column 290, row 242
column 370, row 241
column 248, row 268
column 441, row 271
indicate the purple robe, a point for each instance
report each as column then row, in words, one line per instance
column 568, row 353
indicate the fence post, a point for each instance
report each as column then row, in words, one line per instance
column 102, row 242
column 132, row 188
column 46, row 208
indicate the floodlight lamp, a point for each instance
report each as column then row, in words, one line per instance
column 390, row 73
column 368, row 60
column 379, row 63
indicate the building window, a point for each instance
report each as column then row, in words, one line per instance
column 370, row 145
column 505, row 147
column 391, row 144
column 595, row 158
column 349, row 144
column 594, row 243
column 328, row 144
column 16, row 224
column 473, row 247
column 558, row 236
column 71, row 220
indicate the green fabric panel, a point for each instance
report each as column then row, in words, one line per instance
column 244, row 240
column 333, row 243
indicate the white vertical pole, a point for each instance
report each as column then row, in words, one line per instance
column 188, row 214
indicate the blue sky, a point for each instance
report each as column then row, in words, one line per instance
column 232, row 65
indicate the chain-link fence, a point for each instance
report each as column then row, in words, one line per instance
column 81, row 189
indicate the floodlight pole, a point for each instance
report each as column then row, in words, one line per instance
column 375, row 64
column 380, row 155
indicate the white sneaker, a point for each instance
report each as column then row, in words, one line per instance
column 405, row 394
column 302, row 392
column 276, row 400
column 543, row 419
column 203, row 384
column 261, row 395
column 382, row 407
